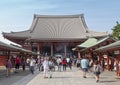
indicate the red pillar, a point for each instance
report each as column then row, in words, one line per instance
column 108, row 66
column 99, row 56
column 117, row 65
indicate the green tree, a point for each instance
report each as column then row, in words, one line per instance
column 116, row 31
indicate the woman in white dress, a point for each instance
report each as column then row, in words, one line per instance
column 46, row 67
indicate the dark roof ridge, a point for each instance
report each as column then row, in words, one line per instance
column 58, row 16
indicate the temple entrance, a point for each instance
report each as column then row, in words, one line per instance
column 46, row 51
column 57, row 49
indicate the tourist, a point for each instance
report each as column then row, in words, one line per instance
column 97, row 70
column 39, row 63
column 23, row 62
column 28, row 62
column 8, row 67
column 78, row 62
column 64, row 63
column 45, row 67
column 70, row 63
column 90, row 64
column 59, row 63
column 17, row 63
column 67, row 60
column 84, row 66
column 32, row 65
column 51, row 66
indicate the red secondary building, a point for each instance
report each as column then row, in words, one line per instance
column 7, row 51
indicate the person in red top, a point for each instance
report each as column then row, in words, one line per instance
column 17, row 63
column 64, row 63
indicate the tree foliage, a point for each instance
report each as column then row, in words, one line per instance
column 116, row 31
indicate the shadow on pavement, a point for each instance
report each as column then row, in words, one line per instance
column 108, row 81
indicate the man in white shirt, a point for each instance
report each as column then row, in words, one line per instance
column 59, row 63
column 32, row 64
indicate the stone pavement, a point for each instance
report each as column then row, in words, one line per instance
column 69, row 77
column 14, row 77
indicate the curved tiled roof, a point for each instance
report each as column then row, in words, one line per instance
column 89, row 42
column 57, row 27
column 109, row 46
column 7, row 47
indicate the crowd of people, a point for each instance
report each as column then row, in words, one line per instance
column 40, row 62
column 50, row 64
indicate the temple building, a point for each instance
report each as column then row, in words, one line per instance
column 51, row 35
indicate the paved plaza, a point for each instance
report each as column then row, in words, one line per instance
column 69, row 77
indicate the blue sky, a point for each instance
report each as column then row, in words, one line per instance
column 17, row 15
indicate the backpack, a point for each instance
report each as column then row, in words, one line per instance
column 97, row 68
